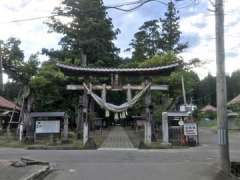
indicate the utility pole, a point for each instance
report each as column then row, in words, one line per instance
column 1, row 69
column 221, row 89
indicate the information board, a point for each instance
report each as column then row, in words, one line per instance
column 190, row 129
column 43, row 127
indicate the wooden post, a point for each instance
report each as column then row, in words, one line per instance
column 221, row 89
column 148, row 115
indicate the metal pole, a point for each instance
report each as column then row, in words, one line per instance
column 184, row 92
column 1, row 70
column 221, row 89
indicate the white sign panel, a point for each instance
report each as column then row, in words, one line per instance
column 47, row 126
column 190, row 129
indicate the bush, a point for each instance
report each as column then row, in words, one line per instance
column 90, row 144
column 209, row 115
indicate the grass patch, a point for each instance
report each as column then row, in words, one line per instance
column 96, row 139
column 12, row 141
column 209, row 124
column 159, row 145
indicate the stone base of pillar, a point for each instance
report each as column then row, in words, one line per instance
column 166, row 144
column 148, row 133
column 85, row 133
column 165, row 128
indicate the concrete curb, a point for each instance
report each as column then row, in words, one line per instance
column 40, row 173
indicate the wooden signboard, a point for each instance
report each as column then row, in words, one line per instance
column 47, row 127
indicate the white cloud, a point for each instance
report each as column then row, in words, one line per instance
column 34, row 34
column 205, row 50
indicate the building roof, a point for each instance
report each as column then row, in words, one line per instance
column 160, row 70
column 209, row 108
column 178, row 114
column 6, row 104
column 235, row 100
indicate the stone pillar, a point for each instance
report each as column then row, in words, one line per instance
column 129, row 93
column 21, row 132
column 148, row 132
column 165, row 134
column 85, row 132
column 148, row 115
column 104, row 92
column 28, row 122
column 65, row 128
column 85, row 116
column 79, row 119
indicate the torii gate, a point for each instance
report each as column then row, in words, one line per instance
column 114, row 74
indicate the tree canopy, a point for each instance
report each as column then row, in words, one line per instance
column 13, row 62
column 146, row 42
column 157, row 36
column 88, row 30
column 170, row 30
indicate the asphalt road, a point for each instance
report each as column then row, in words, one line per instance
column 197, row 163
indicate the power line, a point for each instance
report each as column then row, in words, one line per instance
column 29, row 19
column 136, row 4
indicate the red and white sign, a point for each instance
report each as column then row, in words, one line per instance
column 190, row 129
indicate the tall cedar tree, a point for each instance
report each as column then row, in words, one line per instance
column 171, row 34
column 146, row 41
column 152, row 39
column 90, row 31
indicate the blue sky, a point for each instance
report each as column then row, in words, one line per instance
column 197, row 25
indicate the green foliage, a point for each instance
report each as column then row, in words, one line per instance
column 156, row 36
column 88, row 31
column 207, row 91
column 191, row 81
column 233, row 84
column 13, row 62
column 170, row 31
column 209, row 115
column 146, row 41
column 48, row 88
column 11, row 90
column 234, row 107
column 160, row 60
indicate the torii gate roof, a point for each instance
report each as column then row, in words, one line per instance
column 77, row 71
